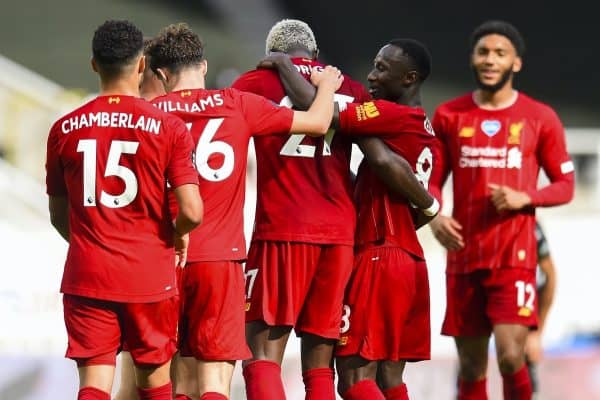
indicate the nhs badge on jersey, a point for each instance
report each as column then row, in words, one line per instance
column 490, row 126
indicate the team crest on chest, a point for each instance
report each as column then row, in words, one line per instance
column 490, row 126
column 514, row 133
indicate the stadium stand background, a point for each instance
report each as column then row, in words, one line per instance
column 44, row 71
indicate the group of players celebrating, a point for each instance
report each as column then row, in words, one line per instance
column 147, row 182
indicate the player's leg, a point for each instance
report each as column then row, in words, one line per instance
column 356, row 378
column 127, row 386
column 149, row 331
column 185, row 377
column 512, row 309
column 277, row 279
column 409, row 285
column 473, row 361
column 510, row 349
column 214, row 306
column 183, row 368
column 466, row 320
column 320, row 318
column 262, row 373
column 93, row 340
column 390, row 380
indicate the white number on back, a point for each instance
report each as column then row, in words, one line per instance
column 206, row 146
column 113, row 168
column 293, row 147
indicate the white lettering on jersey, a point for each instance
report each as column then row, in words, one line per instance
column 490, row 157
column 111, row 120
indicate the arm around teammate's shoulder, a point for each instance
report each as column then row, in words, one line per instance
column 317, row 120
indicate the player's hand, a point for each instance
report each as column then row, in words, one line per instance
column 181, row 243
column 273, row 60
column 447, row 231
column 533, row 346
column 330, row 75
column 506, row 198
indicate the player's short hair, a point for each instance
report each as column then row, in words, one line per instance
column 290, row 34
column 174, row 47
column 147, row 42
column 115, row 45
column 418, row 53
column 498, row 27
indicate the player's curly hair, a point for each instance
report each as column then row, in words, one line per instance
column 418, row 54
column 174, row 47
column 290, row 34
column 498, row 27
column 115, row 45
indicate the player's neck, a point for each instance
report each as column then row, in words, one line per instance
column 503, row 98
column 122, row 87
column 189, row 79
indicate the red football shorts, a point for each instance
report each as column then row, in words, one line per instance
column 386, row 308
column 297, row 284
column 477, row 301
column 212, row 325
column 97, row 329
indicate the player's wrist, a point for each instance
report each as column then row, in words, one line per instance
column 433, row 209
column 177, row 231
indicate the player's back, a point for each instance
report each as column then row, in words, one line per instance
column 221, row 123
column 385, row 217
column 113, row 156
column 302, row 176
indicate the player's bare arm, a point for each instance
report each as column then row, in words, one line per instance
column 59, row 214
column 318, row 117
column 191, row 211
column 398, row 176
column 300, row 91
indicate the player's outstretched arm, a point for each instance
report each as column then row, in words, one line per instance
column 59, row 215
column 398, row 176
column 316, row 121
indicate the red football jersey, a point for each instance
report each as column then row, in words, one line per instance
column 382, row 215
column 304, row 187
column 505, row 147
column 111, row 158
column 221, row 123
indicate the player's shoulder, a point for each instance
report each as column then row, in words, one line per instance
column 457, row 105
column 85, row 107
column 151, row 109
column 537, row 106
column 254, row 78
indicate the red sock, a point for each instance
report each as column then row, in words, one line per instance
column 263, row 380
column 212, row 396
column 164, row 392
column 399, row 392
column 517, row 386
column 474, row 390
column 318, row 383
column 91, row 393
column 365, row 389
column 182, row 397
